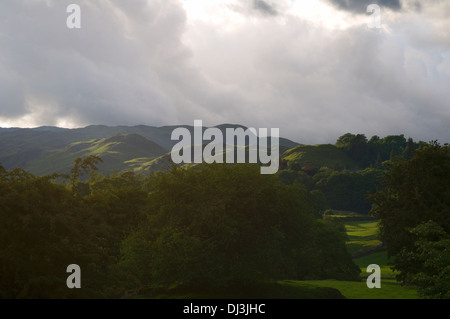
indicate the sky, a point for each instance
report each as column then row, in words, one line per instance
column 315, row 69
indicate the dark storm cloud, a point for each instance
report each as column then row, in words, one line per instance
column 360, row 6
column 126, row 64
column 261, row 8
column 264, row 7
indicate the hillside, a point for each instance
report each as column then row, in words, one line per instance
column 43, row 150
column 117, row 153
column 47, row 149
column 319, row 155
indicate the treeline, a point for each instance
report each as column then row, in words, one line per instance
column 336, row 189
column 208, row 227
column 347, row 190
column 373, row 152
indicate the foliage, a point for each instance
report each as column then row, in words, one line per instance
column 345, row 173
column 417, row 191
column 432, row 252
column 219, row 225
column 290, row 176
column 375, row 151
column 210, row 225
column 41, row 226
column 46, row 227
column 348, row 190
column 354, row 145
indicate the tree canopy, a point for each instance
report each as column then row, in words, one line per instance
column 413, row 208
column 220, row 225
column 209, row 225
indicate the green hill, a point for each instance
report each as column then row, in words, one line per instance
column 319, row 155
column 45, row 150
column 119, row 152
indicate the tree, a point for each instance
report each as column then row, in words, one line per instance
column 43, row 231
column 220, row 225
column 355, row 146
column 45, row 227
column 389, row 147
column 348, row 191
column 432, row 252
column 415, row 191
column 408, row 152
column 82, row 167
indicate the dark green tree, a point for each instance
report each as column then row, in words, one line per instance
column 415, row 191
column 221, row 225
column 83, row 167
column 408, row 152
column 432, row 252
column 348, row 190
column 43, row 231
column 355, row 146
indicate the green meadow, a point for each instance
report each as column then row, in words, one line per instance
column 363, row 238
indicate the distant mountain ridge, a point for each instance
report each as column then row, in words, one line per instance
column 48, row 149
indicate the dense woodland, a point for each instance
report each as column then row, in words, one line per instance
column 223, row 226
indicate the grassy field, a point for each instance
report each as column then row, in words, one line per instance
column 390, row 289
column 362, row 238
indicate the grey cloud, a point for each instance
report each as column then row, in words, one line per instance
column 360, row 6
column 261, row 8
column 264, row 7
column 118, row 68
column 316, row 85
column 138, row 62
